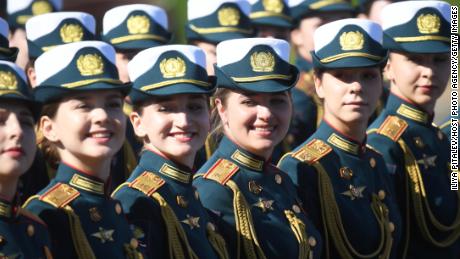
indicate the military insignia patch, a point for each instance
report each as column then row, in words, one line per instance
column 71, row 33
column 354, row 192
column 393, row 127
column 147, row 182
column 275, row 6
column 352, row 40
column 428, row 23
column 228, row 16
column 41, row 7
column 221, row 171
column 173, row 67
column 193, row 222
column 262, row 61
column 138, row 24
column 94, row 214
column 90, row 65
column 8, row 81
column 60, row 195
column 254, row 187
column 313, row 151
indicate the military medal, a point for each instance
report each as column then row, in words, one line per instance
column 264, row 205
column 181, row 201
column 346, row 173
column 94, row 214
column 254, row 187
column 193, row 222
column 427, row 161
column 354, row 192
column 419, row 142
column 104, row 235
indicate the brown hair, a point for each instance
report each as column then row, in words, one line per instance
column 217, row 129
column 48, row 149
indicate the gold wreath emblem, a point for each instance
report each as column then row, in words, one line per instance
column 428, row 23
column 352, row 40
column 228, row 16
column 71, row 33
column 41, row 7
column 275, row 6
column 172, row 67
column 138, row 24
column 8, row 81
column 90, row 65
column 262, row 62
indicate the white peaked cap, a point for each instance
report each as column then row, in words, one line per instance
column 402, row 12
column 201, row 8
column 56, row 59
column 325, row 34
column 115, row 16
column 232, row 51
column 146, row 59
column 41, row 25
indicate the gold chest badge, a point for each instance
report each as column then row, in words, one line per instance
column 262, row 62
column 228, row 16
column 90, row 65
column 275, row 6
column 173, row 67
column 71, row 33
column 428, row 23
column 8, row 81
column 352, row 40
column 138, row 24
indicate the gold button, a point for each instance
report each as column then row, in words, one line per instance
column 391, row 226
column 30, row 230
column 197, row 195
column 312, row 241
column 2, row 240
column 118, row 208
column 211, row 227
column 296, row 208
column 372, row 162
column 278, row 179
column 440, row 135
column 381, row 195
column 134, row 243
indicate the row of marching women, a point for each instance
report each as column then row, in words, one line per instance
column 124, row 145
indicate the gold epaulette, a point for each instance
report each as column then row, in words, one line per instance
column 60, row 195
column 147, row 183
column 30, row 215
column 313, row 151
column 393, row 127
column 221, row 171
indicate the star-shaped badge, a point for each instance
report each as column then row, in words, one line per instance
column 104, row 234
column 354, row 192
column 264, row 205
column 193, row 222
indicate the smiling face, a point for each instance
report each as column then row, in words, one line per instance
column 175, row 126
column 88, row 127
column 350, row 95
column 17, row 139
column 257, row 122
column 419, row 78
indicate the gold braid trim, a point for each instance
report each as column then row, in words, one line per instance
column 80, row 242
column 416, row 188
column 218, row 243
column 132, row 253
column 244, row 226
column 332, row 221
column 179, row 247
column 298, row 227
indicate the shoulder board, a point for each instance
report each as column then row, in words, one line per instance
column 221, row 171
column 60, row 195
column 313, row 151
column 147, row 183
column 393, row 127
column 30, row 216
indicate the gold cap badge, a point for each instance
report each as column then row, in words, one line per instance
column 71, row 33
column 138, row 24
column 173, row 67
column 228, row 16
column 428, row 23
column 41, row 7
column 90, row 65
column 275, row 6
column 353, row 40
column 262, row 62
column 8, row 81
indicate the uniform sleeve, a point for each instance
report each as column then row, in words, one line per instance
column 58, row 228
column 218, row 201
column 146, row 222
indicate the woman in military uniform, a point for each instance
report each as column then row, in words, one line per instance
column 84, row 125
column 416, row 152
column 342, row 182
column 171, row 115
column 22, row 234
column 254, row 203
